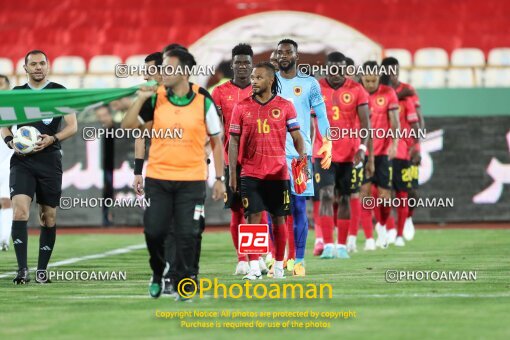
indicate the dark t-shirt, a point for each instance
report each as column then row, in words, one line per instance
column 48, row 126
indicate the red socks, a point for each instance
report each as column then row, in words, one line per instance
column 390, row 224
column 317, row 219
column 290, row 235
column 355, row 216
column 280, row 239
column 327, row 225
column 402, row 212
column 366, row 222
column 343, row 228
column 237, row 218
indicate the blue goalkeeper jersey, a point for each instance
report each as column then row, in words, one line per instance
column 304, row 92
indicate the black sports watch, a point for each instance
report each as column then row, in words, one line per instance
column 220, row 178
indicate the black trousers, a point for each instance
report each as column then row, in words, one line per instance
column 176, row 212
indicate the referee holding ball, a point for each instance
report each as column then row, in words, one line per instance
column 39, row 172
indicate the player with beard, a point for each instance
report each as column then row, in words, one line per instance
column 258, row 133
column 305, row 94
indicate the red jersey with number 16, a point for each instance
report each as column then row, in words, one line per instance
column 263, row 130
column 226, row 96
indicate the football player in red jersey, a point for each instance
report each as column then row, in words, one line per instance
column 257, row 141
column 346, row 103
column 226, row 96
column 406, row 90
column 384, row 116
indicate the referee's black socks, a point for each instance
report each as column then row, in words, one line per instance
column 46, row 244
column 20, row 239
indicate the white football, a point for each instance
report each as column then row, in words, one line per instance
column 25, row 139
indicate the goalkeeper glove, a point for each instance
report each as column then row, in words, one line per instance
column 325, row 152
column 299, row 174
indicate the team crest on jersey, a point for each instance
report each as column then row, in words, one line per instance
column 47, row 121
column 380, row 101
column 297, row 90
column 276, row 113
column 347, row 98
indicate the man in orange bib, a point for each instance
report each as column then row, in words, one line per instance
column 182, row 120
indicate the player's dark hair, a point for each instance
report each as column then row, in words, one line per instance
column 242, row 49
column 157, row 57
column 389, row 61
column 369, row 66
column 6, row 79
column 288, row 41
column 386, row 62
column 173, row 46
column 349, row 61
column 335, row 57
column 276, row 87
column 34, row 52
column 224, row 67
column 186, row 59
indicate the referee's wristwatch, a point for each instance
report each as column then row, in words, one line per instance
column 220, row 178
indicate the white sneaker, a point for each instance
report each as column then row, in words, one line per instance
column 399, row 242
column 242, row 268
column 279, row 273
column 253, row 275
column 391, row 236
column 262, row 265
column 351, row 244
column 370, row 244
column 409, row 229
column 381, row 241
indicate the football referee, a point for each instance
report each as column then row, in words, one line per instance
column 39, row 172
column 176, row 171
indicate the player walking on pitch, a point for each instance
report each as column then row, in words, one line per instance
column 304, row 93
column 259, row 129
column 226, row 96
column 346, row 103
column 379, row 171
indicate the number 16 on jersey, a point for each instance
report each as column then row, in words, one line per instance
column 253, row 239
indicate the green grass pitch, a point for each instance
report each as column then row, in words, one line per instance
column 404, row 310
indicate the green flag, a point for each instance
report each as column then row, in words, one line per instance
column 24, row 106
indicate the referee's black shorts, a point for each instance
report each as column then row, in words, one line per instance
column 39, row 173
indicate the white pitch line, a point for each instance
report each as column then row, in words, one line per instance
column 417, row 295
column 85, row 258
